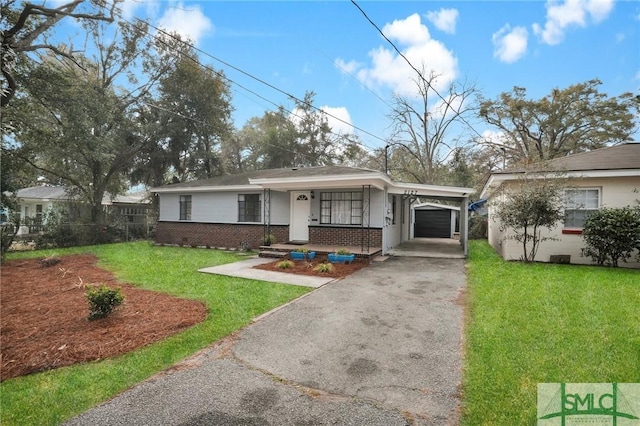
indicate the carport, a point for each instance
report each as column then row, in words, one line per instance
column 410, row 194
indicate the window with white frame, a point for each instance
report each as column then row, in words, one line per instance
column 249, row 208
column 185, row 207
column 578, row 204
column 341, row 208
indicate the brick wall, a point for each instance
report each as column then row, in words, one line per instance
column 342, row 236
column 230, row 235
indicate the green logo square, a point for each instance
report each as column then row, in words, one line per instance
column 561, row 404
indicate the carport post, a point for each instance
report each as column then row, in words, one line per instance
column 464, row 225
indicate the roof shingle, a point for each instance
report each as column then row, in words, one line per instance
column 618, row 157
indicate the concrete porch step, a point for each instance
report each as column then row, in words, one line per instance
column 273, row 254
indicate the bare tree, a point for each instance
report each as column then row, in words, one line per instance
column 28, row 26
column 422, row 127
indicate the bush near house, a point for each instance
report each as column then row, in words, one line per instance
column 612, row 235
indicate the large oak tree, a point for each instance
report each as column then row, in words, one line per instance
column 567, row 121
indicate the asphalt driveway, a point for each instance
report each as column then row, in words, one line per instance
column 381, row 347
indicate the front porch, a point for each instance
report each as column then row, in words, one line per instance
column 281, row 250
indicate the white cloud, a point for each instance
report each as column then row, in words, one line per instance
column 338, row 126
column 409, row 31
column 510, row 44
column 561, row 16
column 348, row 67
column 187, row 21
column 389, row 69
column 341, row 124
column 444, row 19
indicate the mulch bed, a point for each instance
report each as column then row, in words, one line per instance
column 301, row 267
column 44, row 316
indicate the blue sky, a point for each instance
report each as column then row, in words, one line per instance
column 308, row 45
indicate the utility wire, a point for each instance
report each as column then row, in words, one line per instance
column 221, row 75
column 262, row 82
column 413, row 67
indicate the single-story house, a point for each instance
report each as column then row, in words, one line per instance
column 435, row 220
column 36, row 201
column 328, row 205
column 607, row 177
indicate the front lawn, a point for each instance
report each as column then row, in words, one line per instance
column 535, row 323
column 54, row 396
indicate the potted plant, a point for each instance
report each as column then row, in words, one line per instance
column 341, row 256
column 302, row 253
column 270, row 239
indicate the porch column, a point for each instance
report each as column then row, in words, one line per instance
column 266, row 196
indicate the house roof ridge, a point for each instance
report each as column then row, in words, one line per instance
column 614, row 157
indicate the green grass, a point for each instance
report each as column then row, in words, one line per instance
column 54, row 396
column 541, row 323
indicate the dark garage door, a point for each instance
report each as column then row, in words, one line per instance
column 433, row 224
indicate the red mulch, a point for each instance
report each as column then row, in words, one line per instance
column 340, row 270
column 44, row 316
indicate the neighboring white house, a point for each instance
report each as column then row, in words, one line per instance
column 36, row 201
column 607, row 177
column 331, row 205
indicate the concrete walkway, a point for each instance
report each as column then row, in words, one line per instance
column 380, row 347
column 244, row 269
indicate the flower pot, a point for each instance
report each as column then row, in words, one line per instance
column 341, row 258
column 296, row 255
column 311, row 255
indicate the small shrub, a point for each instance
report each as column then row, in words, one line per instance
column 47, row 262
column 302, row 250
column 478, row 226
column 103, row 300
column 285, row 264
column 343, row 252
column 7, row 234
column 611, row 235
column 324, row 268
column 270, row 239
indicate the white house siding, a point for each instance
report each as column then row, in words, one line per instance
column 280, row 202
column 377, row 208
column 221, row 207
column 169, row 206
column 494, row 234
column 393, row 230
column 614, row 192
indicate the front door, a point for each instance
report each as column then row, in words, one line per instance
column 300, row 213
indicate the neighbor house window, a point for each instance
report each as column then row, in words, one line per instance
column 185, row 207
column 249, row 208
column 341, row 208
column 578, row 204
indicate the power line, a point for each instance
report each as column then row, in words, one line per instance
column 262, row 82
column 413, row 67
column 223, row 76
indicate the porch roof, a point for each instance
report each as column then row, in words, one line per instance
column 324, row 177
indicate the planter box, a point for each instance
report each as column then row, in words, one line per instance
column 341, row 258
column 298, row 255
